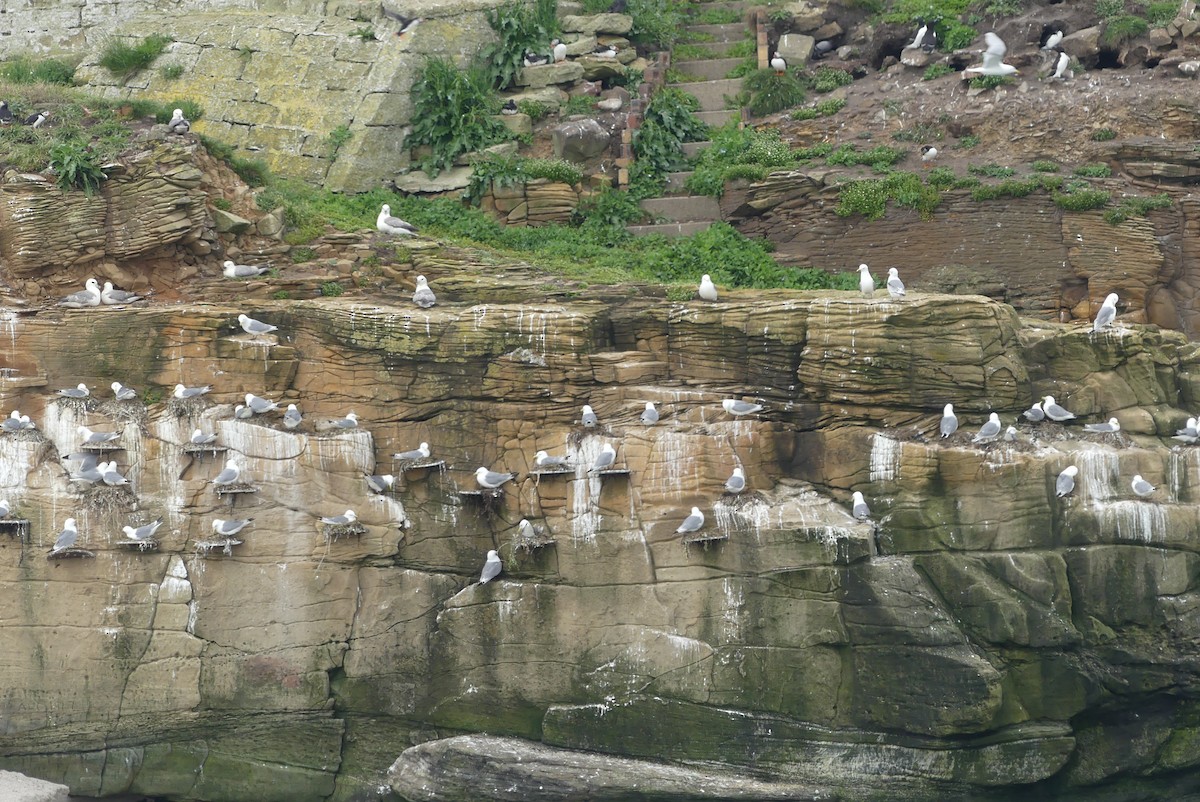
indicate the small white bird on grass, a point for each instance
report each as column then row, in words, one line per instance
column 252, row 326
column 1112, row 427
column 232, row 270
column 491, row 568
column 1140, row 486
column 859, row 508
column 993, row 58
column 692, row 523
column 895, row 286
column 737, row 482
column 1107, row 314
column 949, row 424
column 1066, row 481
column 708, row 290
column 393, row 225
column 649, row 414
column 605, row 459
column 737, row 408
column 422, row 295
column 989, row 431
column 490, row 480
column 866, row 282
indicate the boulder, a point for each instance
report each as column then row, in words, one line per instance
column 915, row 57
column 579, row 140
column 829, row 30
column 229, row 223
column 595, row 68
column 582, row 46
column 598, row 23
column 805, row 18
column 564, row 72
column 271, row 224
column 1083, row 45
column 16, row 787
column 795, row 48
column 1189, row 68
column 417, row 181
column 520, row 124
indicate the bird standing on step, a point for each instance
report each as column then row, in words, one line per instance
column 1107, row 314
column 928, row 154
column 778, row 64
column 422, row 295
column 708, row 290
column 392, row 225
column 509, row 108
column 866, row 282
column 895, row 286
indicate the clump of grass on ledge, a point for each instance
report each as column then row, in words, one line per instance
column 990, row 81
column 1045, row 166
column 1136, row 207
column 870, row 197
column 1103, row 135
column 24, row 70
column 1081, row 200
column 1094, row 171
column 1119, row 30
column 123, row 60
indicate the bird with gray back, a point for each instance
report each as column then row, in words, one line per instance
column 490, row 480
column 178, row 124
column 418, row 453
column 123, row 393
column 736, row 483
column 692, row 523
column 243, row 412
column 111, row 476
column 859, row 508
column 87, row 297
column 144, row 532
column 1112, row 427
column 1140, row 486
column 1010, row 434
column 5, row 509
column 422, row 295
column 543, row 460
column 589, row 419
column 233, row 270
column 989, row 431
column 737, row 408
column 184, row 393
column 90, row 438
column 949, row 422
column 605, row 459
column 199, row 438
column 260, row 406
column 381, row 483
column 393, row 225
column 1107, row 314
column 649, row 414
column 252, row 326
column 230, row 527
column 292, row 417
column 895, row 286
column 67, row 537
column 1054, row 412
column 491, row 568
column 13, row 422
column 229, row 474
column 348, row 422
column 1190, row 433
column 111, row 296
column 993, row 58
column 1035, row 414
column 525, row 529
column 348, row 517
column 1065, row 484
column 77, row 392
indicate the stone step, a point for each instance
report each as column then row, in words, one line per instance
column 736, row 5
column 669, row 229
column 731, row 32
column 717, row 118
column 709, row 69
column 712, row 94
column 684, row 208
column 677, row 182
column 690, row 149
column 713, row 49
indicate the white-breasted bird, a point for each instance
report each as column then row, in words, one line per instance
column 559, row 49
column 234, row 270
column 1065, row 482
column 260, row 406
column 866, row 282
column 859, row 508
column 895, row 286
column 87, row 297
column 229, row 474
column 90, row 438
column 692, row 523
column 605, row 459
column 490, row 480
column 420, row 452
column 708, row 290
column 393, row 225
column 928, row 154
column 67, row 537
column 78, row 391
column 491, row 568
column 1112, row 427
column 544, row 460
column 380, row 483
column 1055, row 412
column 1141, row 486
column 778, row 63
column 184, row 393
column 737, row 407
column 1035, row 414
column 422, row 295
column 144, row 532
column 292, row 417
column 348, row 517
column 1053, row 41
column 1107, row 313
column 989, row 431
column 228, row 527
column 736, row 483
column 348, row 422
column 649, row 414
column 949, row 423
column 1060, row 69
column 178, row 124
column 993, row 58
column 407, row 24
column 123, row 393
column 111, row 296
column 252, row 326
column 588, row 419
column 199, row 438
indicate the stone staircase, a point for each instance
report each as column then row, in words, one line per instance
column 685, row 214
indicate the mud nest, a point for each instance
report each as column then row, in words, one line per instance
column 335, row 531
column 79, row 406
column 187, row 407
column 105, row 499
column 205, row 547
column 131, row 412
column 540, row 539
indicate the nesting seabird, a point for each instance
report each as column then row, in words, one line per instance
column 229, row 527
column 123, row 393
column 229, row 475
column 949, row 423
column 1107, row 313
column 259, row 406
column 233, row 270
column 692, row 523
column 1112, row 427
column 420, row 452
column 1141, row 486
column 110, row 296
column 859, row 508
column 78, row 391
column 605, row 458
column 1054, row 412
column 392, row 225
column 989, row 431
column 490, row 480
column 589, row 419
column 544, row 460
column 422, row 295
column 199, row 438
column 67, row 537
column 381, row 483
column 292, row 418
column 182, row 392
column 1066, row 481
column 736, row 483
column 708, row 290
column 348, row 517
column 348, row 422
column 90, row 438
column 1190, row 433
column 144, row 532
column 90, row 296
column 737, row 408
column 649, row 414
column 1035, row 414
column 178, row 123
column 895, row 286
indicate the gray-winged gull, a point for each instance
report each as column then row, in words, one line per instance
column 5, row 509
column 142, row 532
column 949, row 423
column 649, row 414
column 292, row 417
column 178, row 123
column 199, row 438
column 348, row 517
column 90, row 296
column 1107, row 313
column 380, row 483
column 544, row 460
column 858, row 507
column 15, row 422
column 422, row 295
column 866, row 282
column 589, row 419
column 993, row 58
column 67, row 537
column 260, row 406
column 737, row 482
column 393, row 225
column 229, row 474
column 1141, row 486
column 1190, row 433
column 1035, row 414
column 708, row 290
column 490, row 480
column 1010, row 434
column 190, row 392
column 491, row 568
column 1111, row 427
column 895, row 286
column 252, row 326
column 738, row 408
column 1066, row 481
column 234, row 270
column 348, row 422
column 229, row 527
column 989, row 431
column 110, row 296
column 605, row 458
column 123, row 393
column 692, row 523
column 525, row 529
column 110, row 475
column 420, row 452
column 1054, row 412
column 243, row 412
column 91, row 438
column 79, row 391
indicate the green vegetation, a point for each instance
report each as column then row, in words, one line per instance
column 302, row 255
column 337, row 138
column 577, row 104
column 124, row 60
column 1160, row 13
column 879, row 157
column 171, row 72
column 743, row 48
column 1104, row 135
column 991, row 170
column 332, row 289
column 1016, row 188
column 452, row 113
column 222, row 204
column 943, row 15
column 870, row 197
column 365, row 34
column 90, row 128
column 967, row 142
column 734, row 153
column 24, row 70
column 769, row 92
column 535, row 109
column 507, row 171
column 1136, row 207
column 827, row 79
column 918, row 133
column 1119, row 30
column 519, row 28
column 1003, row 8
column 990, row 81
column 1081, row 200
column 668, row 123
column 281, row 295
column 935, row 71
column 75, row 167
column 718, row 16
column 824, row 108
column 747, row 67
column 1045, row 166
column 1106, row 9
column 1094, row 171
column 656, row 23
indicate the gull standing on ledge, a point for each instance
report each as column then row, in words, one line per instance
column 989, row 431
column 605, row 459
column 491, row 480
column 708, row 290
column 242, row 271
column 89, row 296
column 649, row 414
column 67, row 537
column 422, row 295
column 178, row 123
column 123, row 393
column 1035, row 414
column 1107, row 313
column 393, row 225
column 491, row 568
column 895, row 286
column 421, row 452
column 252, row 326
column 111, row 296
column 859, row 509
column 199, row 438
column 737, row 482
column 692, row 523
column 544, row 460
column 866, row 282
column 738, row 408
column 229, row 475
column 1054, row 412
column 381, row 483
column 142, row 532
column 1066, row 481
column 949, row 424
column 230, row 527
column 993, row 58
column 78, row 391
column 1141, row 486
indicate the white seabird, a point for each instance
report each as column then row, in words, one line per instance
column 649, row 414
column 178, row 123
column 859, row 508
column 229, row 527
column 708, row 290
column 491, row 568
column 1054, row 412
column 589, row 419
column 110, row 296
column 89, row 296
column 949, row 424
column 252, row 326
column 199, row 438
column 1035, row 414
column 348, row 422
column 895, row 286
column 259, row 406
column 392, row 225
column 559, row 49
column 381, row 483
column 737, row 408
column 490, row 480
column 866, row 283
column 605, row 458
column 292, row 417
column 123, row 393
column 110, row 475
column 90, row 438
column 544, row 460
column 692, row 523
column 989, row 431
column 67, row 537
column 993, row 58
column 422, row 295
column 736, row 483
column 1066, row 481
column 778, row 63
column 144, row 532
column 182, row 392
column 232, row 270
column 1141, row 486
column 78, row 391
column 420, row 452
column 1010, row 434
column 1107, row 313
column 229, row 475
column 348, row 517
column 1112, row 427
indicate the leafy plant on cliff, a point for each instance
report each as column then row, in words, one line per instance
column 944, row 15
column 337, row 139
column 75, row 167
column 1137, row 207
column 519, row 28
column 738, row 153
column 506, row 171
column 770, row 92
column 656, row 23
column 123, row 60
column 24, row 70
column 870, row 197
column 1081, row 200
column 1119, row 30
column 1096, row 170
column 668, row 123
column 452, row 113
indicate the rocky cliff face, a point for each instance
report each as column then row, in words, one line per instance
column 976, row 635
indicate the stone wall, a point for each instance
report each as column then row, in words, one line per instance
column 537, row 203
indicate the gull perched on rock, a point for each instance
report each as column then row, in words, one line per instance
column 736, row 483
column 491, row 568
column 233, row 270
column 1066, row 481
column 229, row 527
column 1054, row 412
column 110, row 475
column 182, row 392
column 949, row 424
column 490, row 480
column 737, row 408
column 178, row 123
column 144, row 532
column 859, row 508
column 544, row 460
column 89, row 296
column 381, row 483
column 605, row 458
column 199, row 438
column 1107, row 313
column 348, row 517
column 348, row 422
column 229, row 475
column 292, row 418
column 252, row 326
column 88, row 470
column 1035, row 414
column 422, row 295
column 420, row 452
column 866, row 282
column 708, row 290
column 1112, row 427
column 91, row 438
column 895, row 286
column 1141, row 486
column 393, row 225
column 123, row 393
column 993, row 58
column 5, row 508
column 589, row 419
column 67, row 537
column 259, row 406
column 110, row 296
column 78, row 391
column 989, row 431
column 649, row 414
column 525, row 529
column 692, row 523
column 1190, row 433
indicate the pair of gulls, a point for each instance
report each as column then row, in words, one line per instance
column 993, row 57
column 866, row 282
column 70, row 534
column 492, row 480
column 85, row 468
column 735, row 484
column 81, row 391
column 16, row 422
column 92, row 295
column 1064, row 485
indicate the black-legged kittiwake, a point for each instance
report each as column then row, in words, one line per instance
column 708, row 290
column 605, row 458
column 15, row 422
column 993, row 58
column 420, row 452
column 252, row 326
column 491, row 568
column 78, row 391
column 737, row 407
column 144, row 532
column 422, row 295
column 1113, row 426
column 588, row 419
column 110, row 296
column 1035, row 414
column 67, row 537
column 859, row 508
column 1066, row 481
column 111, row 476
column 178, row 123
column 895, row 286
column 123, row 393
column 90, row 438
column 1107, row 313
column 199, row 438
column 1010, row 434
column 380, row 483
column 525, row 529
column 866, row 282
column 490, row 480
column 1054, row 412
column 243, row 412
column 292, row 418
column 392, row 225
column 1141, row 486
column 989, row 431
column 182, row 392
column 229, row 474
column 1190, row 433
column 89, row 296
column 229, row 527
column 736, row 483
column 5, row 508
column 260, row 406
column 649, row 414
column 234, row 270
column 949, row 423
column 348, row 422
column 348, row 517
column 692, row 523
column 544, row 460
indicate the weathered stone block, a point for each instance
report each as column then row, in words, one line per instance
column 598, row 23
